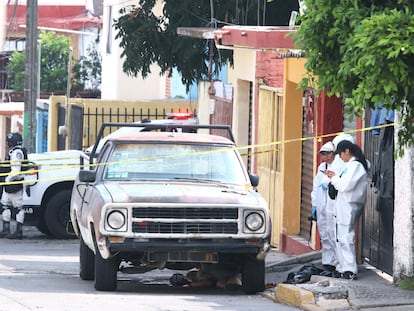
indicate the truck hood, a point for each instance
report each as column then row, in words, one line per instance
column 173, row 192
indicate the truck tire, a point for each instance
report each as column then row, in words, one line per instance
column 106, row 273
column 57, row 214
column 86, row 262
column 41, row 226
column 253, row 275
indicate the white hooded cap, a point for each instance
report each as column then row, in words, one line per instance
column 328, row 147
column 342, row 137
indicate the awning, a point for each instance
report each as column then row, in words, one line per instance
column 71, row 17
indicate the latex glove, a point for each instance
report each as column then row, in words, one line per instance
column 324, row 187
column 313, row 213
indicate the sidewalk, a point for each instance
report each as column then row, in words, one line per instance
column 372, row 291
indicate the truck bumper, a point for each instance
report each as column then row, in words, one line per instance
column 224, row 247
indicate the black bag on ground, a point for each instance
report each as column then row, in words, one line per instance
column 332, row 192
column 303, row 275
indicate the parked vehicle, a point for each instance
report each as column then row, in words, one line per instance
column 48, row 190
column 167, row 199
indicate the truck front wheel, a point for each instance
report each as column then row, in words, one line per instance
column 86, row 261
column 57, row 214
column 253, row 275
column 105, row 272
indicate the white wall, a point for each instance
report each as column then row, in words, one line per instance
column 56, row 2
column 240, row 75
column 403, row 214
column 2, row 23
column 115, row 83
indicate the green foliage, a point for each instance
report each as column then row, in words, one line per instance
column 53, row 64
column 362, row 51
column 406, row 283
column 54, row 53
column 15, row 71
column 87, row 71
column 148, row 39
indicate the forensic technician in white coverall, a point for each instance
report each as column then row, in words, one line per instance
column 329, row 259
column 12, row 196
column 352, row 184
column 324, row 213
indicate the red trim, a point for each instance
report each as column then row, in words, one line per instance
column 54, row 16
column 329, row 118
column 291, row 246
column 48, row 11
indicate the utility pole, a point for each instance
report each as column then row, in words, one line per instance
column 30, row 83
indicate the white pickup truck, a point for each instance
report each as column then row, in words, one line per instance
column 155, row 199
column 48, row 191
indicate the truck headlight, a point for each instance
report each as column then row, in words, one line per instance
column 254, row 221
column 116, row 220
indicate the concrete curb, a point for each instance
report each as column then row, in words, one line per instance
column 298, row 296
column 293, row 295
column 289, row 263
column 371, row 291
column 305, row 299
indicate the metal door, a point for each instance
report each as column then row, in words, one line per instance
column 378, row 217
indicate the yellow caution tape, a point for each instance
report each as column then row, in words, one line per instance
column 59, row 166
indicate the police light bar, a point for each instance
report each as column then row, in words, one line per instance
column 179, row 115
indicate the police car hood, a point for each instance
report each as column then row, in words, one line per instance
column 64, row 156
column 180, row 192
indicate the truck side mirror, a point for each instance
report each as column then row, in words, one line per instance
column 254, row 180
column 87, row 176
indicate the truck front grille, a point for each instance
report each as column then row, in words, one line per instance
column 164, row 220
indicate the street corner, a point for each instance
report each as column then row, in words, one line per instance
column 325, row 288
column 319, row 294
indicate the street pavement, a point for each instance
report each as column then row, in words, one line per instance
column 372, row 291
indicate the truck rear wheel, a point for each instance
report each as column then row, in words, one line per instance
column 106, row 272
column 253, row 275
column 57, row 214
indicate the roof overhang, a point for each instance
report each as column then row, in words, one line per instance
column 12, row 108
column 261, row 38
column 196, row 32
column 256, row 37
column 53, row 16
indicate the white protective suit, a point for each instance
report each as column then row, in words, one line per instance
column 14, row 200
column 324, row 213
column 352, row 185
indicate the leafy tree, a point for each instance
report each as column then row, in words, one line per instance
column 53, row 64
column 87, row 71
column 363, row 51
column 15, row 71
column 148, row 39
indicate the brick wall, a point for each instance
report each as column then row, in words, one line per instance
column 269, row 69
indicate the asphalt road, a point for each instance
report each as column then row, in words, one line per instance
column 38, row 273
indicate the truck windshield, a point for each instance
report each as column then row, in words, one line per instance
column 178, row 161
